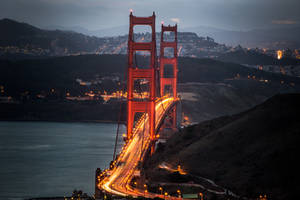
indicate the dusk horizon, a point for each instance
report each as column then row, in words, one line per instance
column 163, row 100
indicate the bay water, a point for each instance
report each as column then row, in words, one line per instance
column 48, row 159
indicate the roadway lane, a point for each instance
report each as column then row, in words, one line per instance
column 118, row 179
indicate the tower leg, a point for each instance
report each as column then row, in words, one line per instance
column 152, row 148
column 129, row 120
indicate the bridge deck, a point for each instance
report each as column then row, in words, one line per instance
column 125, row 166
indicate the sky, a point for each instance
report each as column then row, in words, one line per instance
column 102, row 14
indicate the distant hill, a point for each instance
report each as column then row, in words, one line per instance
column 251, row 153
column 252, row 57
column 57, row 72
column 110, row 32
column 21, row 40
column 107, row 32
column 274, row 38
column 45, row 42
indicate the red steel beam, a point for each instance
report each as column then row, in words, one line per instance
column 173, row 61
column 147, row 106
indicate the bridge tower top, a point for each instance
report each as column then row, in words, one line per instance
column 169, row 80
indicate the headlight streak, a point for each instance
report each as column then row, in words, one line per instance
column 117, row 180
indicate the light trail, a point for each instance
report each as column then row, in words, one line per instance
column 170, row 169
column 117, row 180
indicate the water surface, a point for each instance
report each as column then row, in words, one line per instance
column 40, row 159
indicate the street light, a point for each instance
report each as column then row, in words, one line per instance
column 179, row 193
column 201, row 196
column 165, row 194
column 145, row 191
column 145, row 186
column 161, row 190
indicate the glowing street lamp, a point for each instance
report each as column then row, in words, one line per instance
column 145, row 191
column 201, row 196
column 161, row 190
column 165, row 194
column 179, row 193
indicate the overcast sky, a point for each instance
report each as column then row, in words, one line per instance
column 100, row 14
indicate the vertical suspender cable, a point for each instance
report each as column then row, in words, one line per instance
column 119, row 121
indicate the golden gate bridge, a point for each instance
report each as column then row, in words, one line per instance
column 145, row 116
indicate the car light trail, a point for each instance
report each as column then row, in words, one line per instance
column 117, row 180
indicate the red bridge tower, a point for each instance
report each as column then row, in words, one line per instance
column 134, row 73
column 170, row 81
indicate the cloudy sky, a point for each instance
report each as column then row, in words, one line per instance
column 101, row 14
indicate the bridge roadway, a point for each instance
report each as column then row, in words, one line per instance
column 117, row 180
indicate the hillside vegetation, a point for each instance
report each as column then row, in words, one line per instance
column 251, row 153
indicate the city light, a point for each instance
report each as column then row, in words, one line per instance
column 279, row 54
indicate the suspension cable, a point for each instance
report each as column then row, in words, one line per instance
column 119, row 118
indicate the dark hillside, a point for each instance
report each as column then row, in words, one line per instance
column 56, row 42
column 222, row 88
column 254, row 58
column 10, row 30
column 193, row 70
column 61, row 72
column 251, row 153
